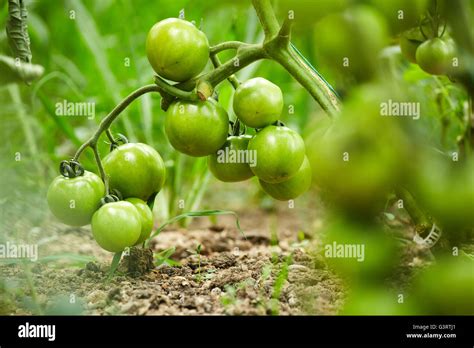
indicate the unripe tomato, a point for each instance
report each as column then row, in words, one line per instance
column 291, row 188
column 434, row 56
column 349, row 42
column 74, row 201
column 401, row 14
column 280, row 153
column 362, row 156
column 176, row 49
column 116, row 226
column 136, row 170
column 231, row 163
column 445, row 288
column 359, row 251
column 258, row 102
column 197, row 129
column 146, row 218
column 446, row 189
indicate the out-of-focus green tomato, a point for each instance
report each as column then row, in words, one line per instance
column 349, row 42
column 445, row 288
column 410, row 40
column 401, row 14
column 434, row 56
column 362, row 156
column 360, row 252
column 371, row 300
column 446, row 188
column 306, row 12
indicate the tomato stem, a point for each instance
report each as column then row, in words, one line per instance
column 227, row 45
column 277, row 46
column 173, row 91
column 105, row 124
column 217, row 63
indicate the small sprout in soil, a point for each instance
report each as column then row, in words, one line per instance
column 164, row 258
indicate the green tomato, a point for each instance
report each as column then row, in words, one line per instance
column 361, row 252
column 433, row 56
column 371, row 299
column 231, row 163
column 445, row 288
column 410, row 40
column 116, row 226
column 280, row 153
column 401, row 14
column 258, row 102
column 74, row 201
column 146, row 218
column 362, row 156
column 446, row 189
column 197, row 129
column 293, row 187
column 349, row 42
column 136, row 170
column 176, row 49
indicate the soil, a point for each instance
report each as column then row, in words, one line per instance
column 268, row 270
column 265, row 271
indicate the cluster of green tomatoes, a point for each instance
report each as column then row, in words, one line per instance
column 434, row 55
column 136, row 173
column 178, row 51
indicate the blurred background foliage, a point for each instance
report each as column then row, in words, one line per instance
column 94, row 51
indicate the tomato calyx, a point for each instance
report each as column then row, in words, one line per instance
column 277, row 123
column 119, row 140
column 71, row 169
column 237, row 128
column 110, row 198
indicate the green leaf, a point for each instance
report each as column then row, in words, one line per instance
column 14, row 70
column 163, row 257
column 17, row 31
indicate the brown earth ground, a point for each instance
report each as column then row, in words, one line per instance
column 272, row 270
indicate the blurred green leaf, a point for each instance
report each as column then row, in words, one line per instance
column 15, row 71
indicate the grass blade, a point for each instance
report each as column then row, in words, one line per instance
column 200, row 213
column 114, row 264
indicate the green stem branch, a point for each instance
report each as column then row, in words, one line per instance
column 101, row 168
column 246, row 55
column 232, row 78
column 107, row 121
column 309, row 79
column 267, row 18
column 228, row 45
